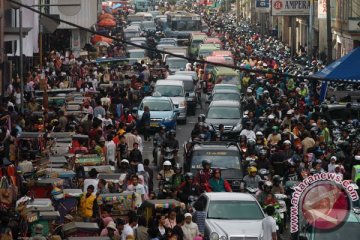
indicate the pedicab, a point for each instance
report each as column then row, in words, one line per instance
column 68, row 203
column 57, row 162
column 100, row 169
column 68, row 176
column 89, row 159
column 42, row 188
column 113, row 178
column 30, row 145
column 79, row 144
column 121, row 203
column 150, row 208
column 80, row 229
column 37, row 211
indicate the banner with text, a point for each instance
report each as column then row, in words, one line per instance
column 290, row 7
column 321, row 9
column 262, row 6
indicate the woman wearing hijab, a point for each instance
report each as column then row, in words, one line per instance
column 190, row 229
column 143, row 177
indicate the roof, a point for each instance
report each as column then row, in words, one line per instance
column 226, row 70
column 236, row 91
column 156, row 98
column 225, row 84
column 209, row 46
column 169, row 82
column 224, row 103
column 180, row 77
column 136, row 50
column 216, row 146
column 229, row 196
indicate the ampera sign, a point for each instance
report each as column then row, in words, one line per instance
column 290, row 7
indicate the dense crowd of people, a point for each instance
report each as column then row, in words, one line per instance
column 287, row 135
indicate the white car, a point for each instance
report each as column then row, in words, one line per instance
column 231, row 216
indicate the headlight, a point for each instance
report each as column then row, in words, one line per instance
column 238, row 127
column 236, row 183
column 168, row 119
column 214, row 236
column 182, row 104
column 223, row 238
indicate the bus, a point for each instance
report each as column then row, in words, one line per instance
column 224, row 75
column 181, row 24
column 195, row 40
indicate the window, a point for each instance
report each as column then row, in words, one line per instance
column 223, row 113
column 234, row 210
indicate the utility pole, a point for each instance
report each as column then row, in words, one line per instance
column 237, row 11
column 293, row 35
column 328, row 32
column 311, row 32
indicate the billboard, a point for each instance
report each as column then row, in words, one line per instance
column 321, row 9
column 262, row 5
column 290, row 7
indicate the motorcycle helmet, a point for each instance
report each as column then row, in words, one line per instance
column 251, row 143
column 162, row 127
column 172, row 132
column 252, row 170
column 205, row 162
column 189, row 176
column 262, row 152
column 275, row 128
column 357, row 157
column 268, row 186
column 201, row 118
column 276, row 179
column 217, row 170
column 167, row 163
column 259, row 134
column 177, row 166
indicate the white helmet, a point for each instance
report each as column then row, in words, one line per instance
column 167, row 163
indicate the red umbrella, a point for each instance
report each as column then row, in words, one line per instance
column 97, row 38
column 107, row 22
column 106, row 15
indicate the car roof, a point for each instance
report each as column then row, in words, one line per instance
column 215, row 146
column 179, row 76
column 160, row 98
column 224, row 103
column 169, row 82
column 136, row 50
column 226, row 70
column 225, row 85
column 230, row 196
column 226, row 91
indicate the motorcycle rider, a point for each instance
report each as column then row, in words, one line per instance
column 252, row 179
column 164, row 178
column 159, row 138
column 248, row 132
column 263, row 161
column 203, row 175
column 188, row 188
column 172, row 143
column 177, row 177
column 264, row 197
column 277, row 185
column 217, row 183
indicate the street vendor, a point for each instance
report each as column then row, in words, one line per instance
column 88, row 204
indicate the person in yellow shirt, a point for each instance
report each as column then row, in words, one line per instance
column 88, row 204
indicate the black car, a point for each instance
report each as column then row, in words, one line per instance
column 223, row 155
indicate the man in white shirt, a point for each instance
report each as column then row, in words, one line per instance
column 269, row 225
column 137, row 188
column 129, row 228
column 248, row 132
column 110, row 150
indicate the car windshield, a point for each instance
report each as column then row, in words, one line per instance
column 149, row 24
column 229, row 79
column 170, row 91
column 137, row 54
column 223, row 113
column 157, row 105
column 216, row 157
column 235, row 210
column 176, row 63
column 226, row 96
column 225, row 87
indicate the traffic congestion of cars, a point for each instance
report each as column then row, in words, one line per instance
column 190, row 125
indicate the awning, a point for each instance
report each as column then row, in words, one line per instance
column 12, row 33
column 346, row 69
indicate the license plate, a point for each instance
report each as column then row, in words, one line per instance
column 154, row 124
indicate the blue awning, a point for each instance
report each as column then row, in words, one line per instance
column 346, row 68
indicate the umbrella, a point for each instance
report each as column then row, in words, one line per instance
column 116, row 6
column 103, row 44
column 97, row 38
column 105, row 15
column 107, row 22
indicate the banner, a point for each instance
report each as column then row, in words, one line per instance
column 262, row 5
column 321, row 9
column 290, row 8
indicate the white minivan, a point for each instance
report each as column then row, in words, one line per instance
column 175, row 90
